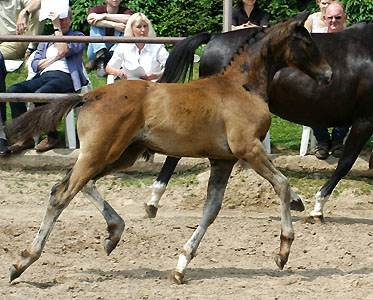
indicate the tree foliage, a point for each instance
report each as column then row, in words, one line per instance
column 187, row 17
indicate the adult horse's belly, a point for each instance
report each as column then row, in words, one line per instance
column 296, row 97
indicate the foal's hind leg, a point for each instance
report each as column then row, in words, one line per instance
column 219, row 175
column 114, row 221
column 160, row 184
column 60, row 197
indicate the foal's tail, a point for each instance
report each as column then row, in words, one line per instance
column 43, row 118
column 181, row 58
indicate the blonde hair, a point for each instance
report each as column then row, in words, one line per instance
column 136, row 18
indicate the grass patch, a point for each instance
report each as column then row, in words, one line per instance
column 309, row 184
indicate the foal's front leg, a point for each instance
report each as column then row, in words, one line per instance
column 219, row 175
column 259, row 161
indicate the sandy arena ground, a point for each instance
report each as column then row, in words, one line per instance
column 234, row 260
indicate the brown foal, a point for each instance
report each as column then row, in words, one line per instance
column 223, row 117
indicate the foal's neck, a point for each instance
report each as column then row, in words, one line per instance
column 254, row 67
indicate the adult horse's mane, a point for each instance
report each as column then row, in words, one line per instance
column 256, row 36
column 180, row 56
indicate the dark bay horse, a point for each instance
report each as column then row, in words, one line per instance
column 294, row 96
column 223, row 117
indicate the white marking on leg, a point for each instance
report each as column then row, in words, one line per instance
column 293, row 195
column 189, row 248
column 158, row 189
column 319, row 204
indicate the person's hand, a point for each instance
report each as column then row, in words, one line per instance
column 21, row 23
column 120, row 27
column 55, row 18
column 249, row 24
column 120, row 74
column 150, row 76
column 93, row 18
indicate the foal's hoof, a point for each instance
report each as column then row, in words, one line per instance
column 14, row 273
column 176, row 277
column 314, row 220
column 151, row 211
column 297, row 205
column 110, row 246
column 280, row 261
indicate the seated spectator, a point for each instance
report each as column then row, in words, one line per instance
column 336, row 19
column 58, row 67
column 19, row 17
column 248, row 14
column 4, row 151
column 128, row 59
column 105, row 20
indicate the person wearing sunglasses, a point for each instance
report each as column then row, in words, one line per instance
column 336, row 18
column 316, row 21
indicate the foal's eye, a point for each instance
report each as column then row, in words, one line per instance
column 307, row 42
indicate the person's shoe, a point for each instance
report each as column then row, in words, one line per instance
column 322, row 150
column 46, row 144
column 4, row 150
column 101, row 67
column 90, row 65
column 337, row 149
column 20, row 146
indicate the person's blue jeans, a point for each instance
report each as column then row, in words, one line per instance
column 93, row 48
column 323, row 135
column 48, row 82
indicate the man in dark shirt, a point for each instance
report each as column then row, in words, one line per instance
column 105, row 20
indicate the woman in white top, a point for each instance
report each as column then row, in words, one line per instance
column 140, row 60
column 316, row 21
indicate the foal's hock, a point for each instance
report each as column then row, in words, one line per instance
column 223, row 118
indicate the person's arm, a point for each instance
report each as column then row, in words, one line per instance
column 23, row 15
column 116, row 21
column 162, row 55
column 264, row 21
column 308, row 23
column 113, row 66
column 116, row 72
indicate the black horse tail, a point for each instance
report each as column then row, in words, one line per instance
column 43, row 118
column 181, row 58
column 371, row 161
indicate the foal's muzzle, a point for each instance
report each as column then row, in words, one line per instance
column 325, row 77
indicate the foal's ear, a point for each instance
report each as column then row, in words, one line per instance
column 301, row 18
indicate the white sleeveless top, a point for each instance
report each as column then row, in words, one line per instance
column 315, row 28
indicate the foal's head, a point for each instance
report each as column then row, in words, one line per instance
column 299, row 49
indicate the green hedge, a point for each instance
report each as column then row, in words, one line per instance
column 187, row 17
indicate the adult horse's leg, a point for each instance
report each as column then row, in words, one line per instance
column 160, row 184
column 219, row 175
column 360, row 132
column 114, row 222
